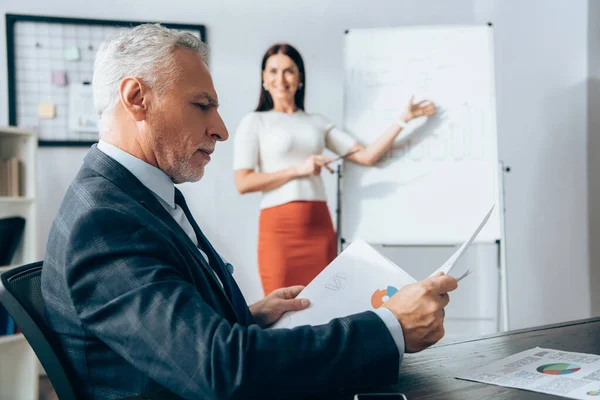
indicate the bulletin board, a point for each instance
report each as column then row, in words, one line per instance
column 50, row 66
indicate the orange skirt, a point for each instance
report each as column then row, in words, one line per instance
column 296, row 241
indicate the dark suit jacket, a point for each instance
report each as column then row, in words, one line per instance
column 138, row 310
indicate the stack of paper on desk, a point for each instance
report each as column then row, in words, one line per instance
column 360, row 279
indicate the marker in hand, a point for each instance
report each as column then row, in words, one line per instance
column 342, row 157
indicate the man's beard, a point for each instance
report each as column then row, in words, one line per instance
column 182, row 171
column 179, row 169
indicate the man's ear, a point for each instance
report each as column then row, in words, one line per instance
column 134, row 98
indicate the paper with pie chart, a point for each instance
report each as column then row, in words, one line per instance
column 359, row 279
column 561, row 373
column 347, row 286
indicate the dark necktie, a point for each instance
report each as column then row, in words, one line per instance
column 203, row 244
column 216, row 264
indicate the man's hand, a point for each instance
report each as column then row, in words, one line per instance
column 419, row 307
column 268, row 311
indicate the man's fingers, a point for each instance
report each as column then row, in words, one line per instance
column 301, row 304
column 291, row 292
column 295, row 304
column 444, row 299
column 442, row 283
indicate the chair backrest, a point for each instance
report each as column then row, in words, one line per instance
column 21, row 295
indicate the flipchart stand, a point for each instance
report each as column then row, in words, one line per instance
column 503, row 316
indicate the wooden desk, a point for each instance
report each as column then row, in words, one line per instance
column 430, row 374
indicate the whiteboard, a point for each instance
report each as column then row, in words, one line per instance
column 441, row 175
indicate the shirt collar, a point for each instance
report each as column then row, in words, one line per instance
column 153, row 178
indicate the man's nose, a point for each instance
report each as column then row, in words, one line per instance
column 218, row 130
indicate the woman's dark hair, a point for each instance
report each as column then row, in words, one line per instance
column 265, row 102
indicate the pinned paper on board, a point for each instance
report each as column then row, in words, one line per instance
column 82, row 112
column 72, row 53
column 59, row 78
column 46, row 111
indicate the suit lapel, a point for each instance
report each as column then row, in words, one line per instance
column 120, row 176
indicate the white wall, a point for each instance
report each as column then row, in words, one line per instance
column 541, row 73
column 541, row 78
column 594, row 150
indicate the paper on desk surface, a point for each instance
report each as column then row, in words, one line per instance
column 556, row 372
column 358, row 280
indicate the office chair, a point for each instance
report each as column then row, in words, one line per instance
column 21, row 295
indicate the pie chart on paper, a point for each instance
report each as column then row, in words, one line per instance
column 381, row 296
column 558, row 369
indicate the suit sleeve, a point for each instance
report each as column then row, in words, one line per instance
column 128, row 293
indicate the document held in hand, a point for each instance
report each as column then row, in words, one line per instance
column 360, row 279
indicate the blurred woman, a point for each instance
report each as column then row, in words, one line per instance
column 278, row 151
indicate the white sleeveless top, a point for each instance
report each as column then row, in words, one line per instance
column 271, row 141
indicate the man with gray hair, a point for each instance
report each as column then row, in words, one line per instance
column 140, row 301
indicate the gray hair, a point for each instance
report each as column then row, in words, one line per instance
column 145, row 52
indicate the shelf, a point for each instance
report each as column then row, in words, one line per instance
column 15, row 132
column 15, row 200
column 19, row 371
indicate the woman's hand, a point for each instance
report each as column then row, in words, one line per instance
column 414, row 110
column 312, row 166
